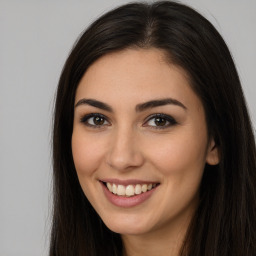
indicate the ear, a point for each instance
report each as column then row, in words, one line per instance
column 213, row 154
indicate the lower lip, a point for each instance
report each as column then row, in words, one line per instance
column 125, row 202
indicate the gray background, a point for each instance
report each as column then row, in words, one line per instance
column 36, row 37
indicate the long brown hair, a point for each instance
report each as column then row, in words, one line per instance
column 225, row 222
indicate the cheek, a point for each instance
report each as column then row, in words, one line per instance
column 181, row 154
column 180, row 160
column 87, row 152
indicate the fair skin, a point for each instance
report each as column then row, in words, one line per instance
column 119, row 139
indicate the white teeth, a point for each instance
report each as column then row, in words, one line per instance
column 129, row 190
column 144, row 188
column 138, row 189
column 114, row 188
column 109, row 187
column 120, row 190
column 149, row 186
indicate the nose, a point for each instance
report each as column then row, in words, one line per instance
column 125, row 153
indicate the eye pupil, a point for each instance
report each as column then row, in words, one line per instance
column 159, row 121
column 98, row 120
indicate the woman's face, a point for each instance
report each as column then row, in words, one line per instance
column 140, row 131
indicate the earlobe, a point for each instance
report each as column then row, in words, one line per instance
column 213, row 154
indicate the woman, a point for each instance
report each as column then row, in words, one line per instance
column 153, row 148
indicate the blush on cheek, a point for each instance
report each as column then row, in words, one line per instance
column 86, row 155
column 178, row 158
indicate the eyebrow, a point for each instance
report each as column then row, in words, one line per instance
column 139, row 108
column 94, row 103
column 158, row 103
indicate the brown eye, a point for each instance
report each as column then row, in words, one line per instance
column 95, row 120
column 159, row 121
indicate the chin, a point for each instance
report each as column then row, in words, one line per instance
column 127, row 225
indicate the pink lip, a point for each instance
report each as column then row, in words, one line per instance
column 126, row 202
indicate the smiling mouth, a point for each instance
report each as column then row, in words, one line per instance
column 129, row 190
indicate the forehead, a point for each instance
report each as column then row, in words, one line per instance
column 135, row 74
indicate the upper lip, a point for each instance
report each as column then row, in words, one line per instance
column 128, row 182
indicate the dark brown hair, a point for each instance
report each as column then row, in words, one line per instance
column 225, row 222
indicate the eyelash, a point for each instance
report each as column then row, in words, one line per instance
column 166, row 118
column 171, row 121
column 86, row 118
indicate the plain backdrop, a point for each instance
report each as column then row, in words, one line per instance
column 35, row 39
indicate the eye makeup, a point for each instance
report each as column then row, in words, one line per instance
column 95, row 120
column 154, row 121
column 160, row 121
